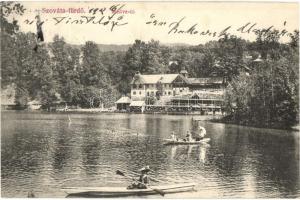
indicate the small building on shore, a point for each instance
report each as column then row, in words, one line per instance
column 123, row 103
column 34, row 105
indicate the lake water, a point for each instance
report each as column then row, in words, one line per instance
column 43, row 152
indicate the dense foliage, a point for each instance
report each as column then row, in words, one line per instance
column 268, row 95
column 262, row 75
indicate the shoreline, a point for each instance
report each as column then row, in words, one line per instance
column 99, row 110
column 195, row 116
column 221, row 120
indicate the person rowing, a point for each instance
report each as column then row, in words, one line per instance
column 143, row 181
column 188, row 137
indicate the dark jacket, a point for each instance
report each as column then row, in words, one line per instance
column 144, row 179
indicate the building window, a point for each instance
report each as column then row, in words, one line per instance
column 140, row 86
column 148, row 94
column 169, row 93
column 147, row 86
column 180, row 90
column 152, row 93
column 134, row 93
column 140, row 92
column 134, row 86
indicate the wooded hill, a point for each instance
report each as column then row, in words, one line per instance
column 263, row 75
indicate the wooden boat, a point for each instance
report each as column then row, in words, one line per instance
column 182, row 142
column 123, row 191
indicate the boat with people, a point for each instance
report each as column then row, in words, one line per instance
column 139, row 187
column 124, row 191
column 185, row 142
column 196, row 137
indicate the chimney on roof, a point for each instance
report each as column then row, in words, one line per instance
column 183, row 72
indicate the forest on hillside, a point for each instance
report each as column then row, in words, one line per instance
column 263, row 75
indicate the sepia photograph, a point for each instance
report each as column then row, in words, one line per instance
column 150, row 99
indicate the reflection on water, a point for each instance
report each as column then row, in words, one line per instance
column 197, row 152
column 43, row 152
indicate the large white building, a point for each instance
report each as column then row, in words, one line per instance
column 177, row 91
column 162, row 85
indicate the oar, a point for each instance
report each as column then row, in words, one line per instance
column 152, row 179
column 156, row 180
column 154, row 189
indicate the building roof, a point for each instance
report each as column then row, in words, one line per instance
column 124, row 100
column 137, row 103
column 170, row 78
column 154, row 78
column 204, row 81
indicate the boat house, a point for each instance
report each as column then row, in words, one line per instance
column 123, row 103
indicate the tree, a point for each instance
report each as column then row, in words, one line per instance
column 92, row 71
column 90, row 97
column 8, row 62
column 133, row 62
column 229, row 57
column 238, row 97
column 147, row 58
column 65, row 63
column 10, row 26
column 25, row 66
column 113, row 62
column 269, row 96
column 152, row 59
column 294, row 39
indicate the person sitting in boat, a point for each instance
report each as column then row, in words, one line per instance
column 143, row 180
column 199, row 135
column 188, row 137
column 173, row 136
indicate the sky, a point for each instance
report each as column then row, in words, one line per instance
column 165, row 20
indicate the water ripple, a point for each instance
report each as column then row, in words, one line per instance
column 44, row 152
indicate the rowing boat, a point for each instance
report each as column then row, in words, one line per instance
column 182, row 142
column 123, row 191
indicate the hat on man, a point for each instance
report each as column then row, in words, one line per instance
column 145, row 169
